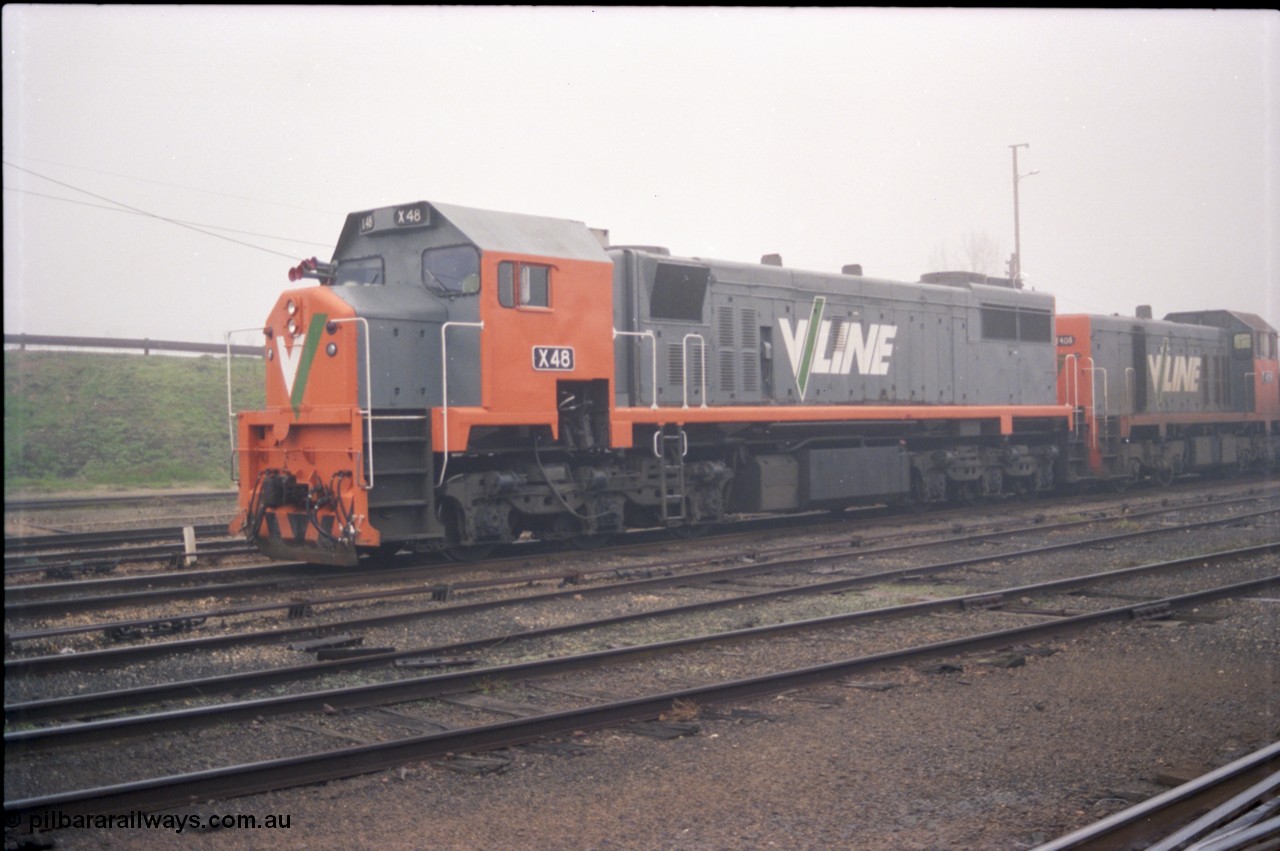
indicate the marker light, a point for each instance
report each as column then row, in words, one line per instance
column 331, row 349
column 293, row 327
column 290, row 307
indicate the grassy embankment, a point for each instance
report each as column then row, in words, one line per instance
column 83, row 420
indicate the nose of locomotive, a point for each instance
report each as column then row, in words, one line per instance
column 310, row 346
column 301, row 476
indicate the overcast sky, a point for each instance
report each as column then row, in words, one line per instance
column 828, row 136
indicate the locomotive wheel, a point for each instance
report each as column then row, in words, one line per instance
column 1119, row 484
column 965, row 493
column 1164, row 475
column 454, row 549
column 570, row 530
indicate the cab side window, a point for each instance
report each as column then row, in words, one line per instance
column 524, row 285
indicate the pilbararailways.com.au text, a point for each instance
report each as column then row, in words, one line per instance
column 136, row 820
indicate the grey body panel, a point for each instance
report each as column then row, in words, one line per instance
column 1240, row 370
column 916, row 343
column 1146, row 366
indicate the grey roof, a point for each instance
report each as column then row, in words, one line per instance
column 516, row 233
column 1252, row 321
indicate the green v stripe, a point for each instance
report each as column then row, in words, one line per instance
column 810, row 343
column 308, row 355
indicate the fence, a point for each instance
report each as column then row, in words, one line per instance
column 22, row 341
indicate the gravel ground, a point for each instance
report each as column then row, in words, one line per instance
column 983, row 757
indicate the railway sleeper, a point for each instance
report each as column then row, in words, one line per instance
column 156, row 628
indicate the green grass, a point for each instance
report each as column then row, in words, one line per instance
column 84, row 420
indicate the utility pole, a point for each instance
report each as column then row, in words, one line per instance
column 1015, row 268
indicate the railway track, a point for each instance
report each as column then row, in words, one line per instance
column 45, row 600
column 572, row 586
column 224, row 781
column 483, row 673
column 1234, row 808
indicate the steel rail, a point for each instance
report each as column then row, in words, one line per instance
column 1133, row 827
column 59, row 502
column 419, row 688
column 65, row 543
column 62, row 661
column 95, row 703
column 239, row 780
column 106, row 561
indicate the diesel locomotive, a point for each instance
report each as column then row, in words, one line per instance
column 462, row 377
column 1196, row 392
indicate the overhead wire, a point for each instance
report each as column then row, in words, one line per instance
column 148, row 213
column 135, row 213
column 175, row 185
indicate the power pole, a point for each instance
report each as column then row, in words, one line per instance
column 1015, row 267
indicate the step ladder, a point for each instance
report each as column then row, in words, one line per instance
column 401, row 500
column 671, row 448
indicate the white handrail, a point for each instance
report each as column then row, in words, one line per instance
column 367, row 413
column 444, row 388
column 1073, row 380
column 653, row 352
column 684, row 355
column 231, row 413
column 1092, row 392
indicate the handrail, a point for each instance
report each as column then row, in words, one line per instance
column 1106, row 412
column 653, row 351
column 444, row 388
column 684, row 356
column 367, row 413
column 1072, row 379
column 231, row 414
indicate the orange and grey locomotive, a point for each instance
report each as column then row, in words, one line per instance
column 1194, row 393
column 463, row 377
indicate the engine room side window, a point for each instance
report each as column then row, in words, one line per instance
column 524, row 285
column 1035, row 326
column 1007, row 323
column 678, row 292
column 999, row 323
column 452, row 271
column 363, row 270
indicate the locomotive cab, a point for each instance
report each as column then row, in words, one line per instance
column 437, row 339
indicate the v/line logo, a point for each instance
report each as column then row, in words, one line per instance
column 810, row 340
column 295, row 362
column 1174, row 373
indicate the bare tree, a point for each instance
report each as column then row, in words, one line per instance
column 974, row 252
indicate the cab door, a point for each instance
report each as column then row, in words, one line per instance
column 548, row 324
